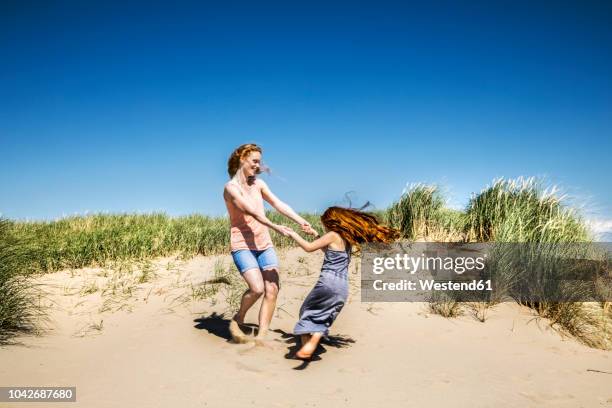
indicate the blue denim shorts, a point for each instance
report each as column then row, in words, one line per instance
column 246, row 259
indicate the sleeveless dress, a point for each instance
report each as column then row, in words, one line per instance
column 327, row 298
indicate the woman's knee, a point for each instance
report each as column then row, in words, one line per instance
column 255, row 282
column 257, row 290
column 271, row 290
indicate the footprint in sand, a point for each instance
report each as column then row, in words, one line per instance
column 245, row 367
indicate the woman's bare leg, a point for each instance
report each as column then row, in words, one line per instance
column 310, row 346
column 254, row 280
column 268, row 304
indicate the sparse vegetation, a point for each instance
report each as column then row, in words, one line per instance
column 445, row 305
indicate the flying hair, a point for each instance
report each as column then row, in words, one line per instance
column 357, row 227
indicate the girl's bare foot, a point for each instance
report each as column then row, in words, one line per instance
column 305, row 353
column 309, row 347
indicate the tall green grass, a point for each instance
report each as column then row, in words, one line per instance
column 546, row 232
column 518, row 210
column 421, row 212
column 81, row 241
column 522, row 210
column 19, row 309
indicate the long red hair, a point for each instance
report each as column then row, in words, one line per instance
column 241, row 152
column 357, row 227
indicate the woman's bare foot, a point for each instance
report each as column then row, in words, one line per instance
column 262, row 335
column 236, row 332
column 239, row 319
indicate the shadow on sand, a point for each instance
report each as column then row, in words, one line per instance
column 214, row 324
column 218, row 325
column 295, row 343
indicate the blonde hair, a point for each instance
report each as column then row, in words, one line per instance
column 241, row 152
column 357, row 227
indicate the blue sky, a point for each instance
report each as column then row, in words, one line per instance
column 127, row 106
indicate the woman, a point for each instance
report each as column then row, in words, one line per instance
column 250, row 243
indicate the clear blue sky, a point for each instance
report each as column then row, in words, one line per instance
column 107, row 106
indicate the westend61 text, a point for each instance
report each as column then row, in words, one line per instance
column 430, row 284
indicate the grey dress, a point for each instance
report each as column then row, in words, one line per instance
column 327, row 298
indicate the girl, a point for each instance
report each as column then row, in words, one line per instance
column 345, row 230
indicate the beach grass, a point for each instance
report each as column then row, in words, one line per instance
column 523, row 210
column 535, row 231
column 509, row 212
column 20, row 309
column 98, row 239
column 422, row 213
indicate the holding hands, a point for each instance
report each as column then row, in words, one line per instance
column 289, row 232
column 307, row 228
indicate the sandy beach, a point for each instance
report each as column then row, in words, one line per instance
column 133, row 339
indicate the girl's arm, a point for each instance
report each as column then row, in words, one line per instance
column 233, row 194
column 319, row 243
column 283, row 207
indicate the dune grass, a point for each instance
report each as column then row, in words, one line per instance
column 548, row 232
column 95, row 240
column 515, row 211
column 421, row 213
column 533, row 272
column 522, row 210
column 20, row 310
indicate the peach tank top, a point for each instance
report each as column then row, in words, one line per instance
column 245, row 231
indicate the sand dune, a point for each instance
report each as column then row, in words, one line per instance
column 149, row 340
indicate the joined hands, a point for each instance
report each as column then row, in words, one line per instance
column 307, row 228
column 289, row 232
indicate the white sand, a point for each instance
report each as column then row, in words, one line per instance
column 146, row 350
